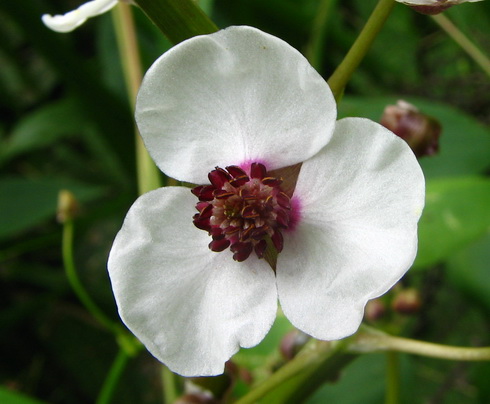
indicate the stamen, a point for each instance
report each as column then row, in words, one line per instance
column 283, row 200
column 242, row 210
column 257, row 170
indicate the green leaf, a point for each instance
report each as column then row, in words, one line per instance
column 177, row 19
column 43, row 127
column 111, row 115
column 25, row 203
column 464, row 143
column 206, row 6
column 456, row 213
column 12, row 397
column 469, row 272
column 480, row 377
column 370, row 386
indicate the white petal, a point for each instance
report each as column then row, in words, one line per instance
column 434, row 2
column 419, row 2
column 239, row 95
column 360, row 198
column 71, row 20
column 191, row 307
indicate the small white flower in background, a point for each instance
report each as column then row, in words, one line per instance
column 432, row 7
column 73, row 19
column 243, row 106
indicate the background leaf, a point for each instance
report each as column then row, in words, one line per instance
column 469, row 271
column 456, row 213
column 12, row 397
column 25, row 203
column 43, row 127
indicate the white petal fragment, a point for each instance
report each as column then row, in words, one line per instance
column 191, row 307
column 361, row 198
column 239, row 95
column 434, row 2
column 73, row 19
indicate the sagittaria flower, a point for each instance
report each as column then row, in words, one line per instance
column 432, row 7
column 244, row 115
column 73, row 19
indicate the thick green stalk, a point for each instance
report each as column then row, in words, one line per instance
column 177, row 19
column 147, row 172
column 462, row 40
column 371, row 340
column 113, row 377
column 340, row 77
column 318, row 362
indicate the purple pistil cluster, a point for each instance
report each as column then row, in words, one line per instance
column 242, row 211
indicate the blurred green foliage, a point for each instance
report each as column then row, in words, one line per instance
column 66, row 124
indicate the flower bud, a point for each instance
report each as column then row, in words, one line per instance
column 196, row 399
column 407, row 301
column 432, row 7
column 68, row 206
column 218, row 386
column 291, row 344
column 375, row 309
column 420, row 131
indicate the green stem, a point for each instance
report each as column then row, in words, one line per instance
column 71, row 274
column 147, row 172
column 462, row 40
column 318, row 362
column 338, row 80
column 370, row 340
column 177, row 19
column 113, row 377
column 392, row 378
column 315, row 49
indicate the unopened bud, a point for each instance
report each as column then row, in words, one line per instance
column 432, row 7
column 407, row 301
column 291, row 343
column 420, row 131
column 375, row 309
column 68, row 206
column 217, row 386
column 196, row 399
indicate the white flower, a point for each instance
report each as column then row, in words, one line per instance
column 246, row 101
column 432, row 7
column 71, row 20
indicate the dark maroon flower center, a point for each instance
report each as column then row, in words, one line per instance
column 242, row 211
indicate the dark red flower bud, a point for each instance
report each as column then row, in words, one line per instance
column 375, row 309
column 292, row 343
column 420, row 131
column 199, row 398
column 407, row 301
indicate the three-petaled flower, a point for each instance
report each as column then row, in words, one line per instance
column 248, row 109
